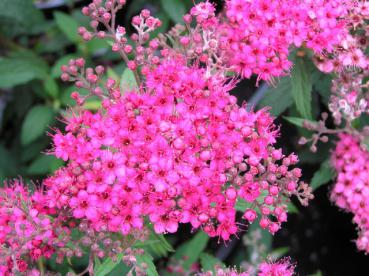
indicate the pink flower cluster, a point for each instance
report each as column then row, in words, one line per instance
column 181, row 151
column 351, row 191
column 350, row 52
column 27, row 230
column 280, row 268
column 260, row 32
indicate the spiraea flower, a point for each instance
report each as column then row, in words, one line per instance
column 261, row 33
column 28, row 230
column 179, row 151
column 350, row 192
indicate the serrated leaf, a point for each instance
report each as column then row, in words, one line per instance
column 322, row 176
column 36, row 122
column 279, row 98
column 175, row 9
column 107, row 265
column 68, row 25
column 156, row 244
column 21, row 68
column 148, row 260
column 302, row 88
column 161, row 247
column 190, row 251
column 209, row 262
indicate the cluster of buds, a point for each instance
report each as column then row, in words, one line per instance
column 85, row 78
column 320, row 132
column 144, row 23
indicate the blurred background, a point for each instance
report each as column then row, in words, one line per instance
column 38, row 36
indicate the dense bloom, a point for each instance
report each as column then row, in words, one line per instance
column 260, row 33
column 176, row 147
column 28, row 231
column 181, row 151
column 351, row 190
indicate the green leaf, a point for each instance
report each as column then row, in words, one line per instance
column 19, row 16
column 209, row 262
column 112, row 74
column 279, row 98
column 174, row 8
column 322, row 84
column 92, row 105
column 55, row 164
column 190, row 251
column 65, row 97
column 366, row 144
column 148, row 260
column 302, row 87
column 297, row 121
column 36, row 122
column 96, row 46
column 21, row 68
column 308, row 157
column 42, row 165
column 322, row 176
column 256, row 251
column 292, row 209
column 51, row 87
column 68, row 25
column 104, row 268
column 128, row 80
column 242, row 205
column 33, row 150
column 8, row 164
column 157, row 245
